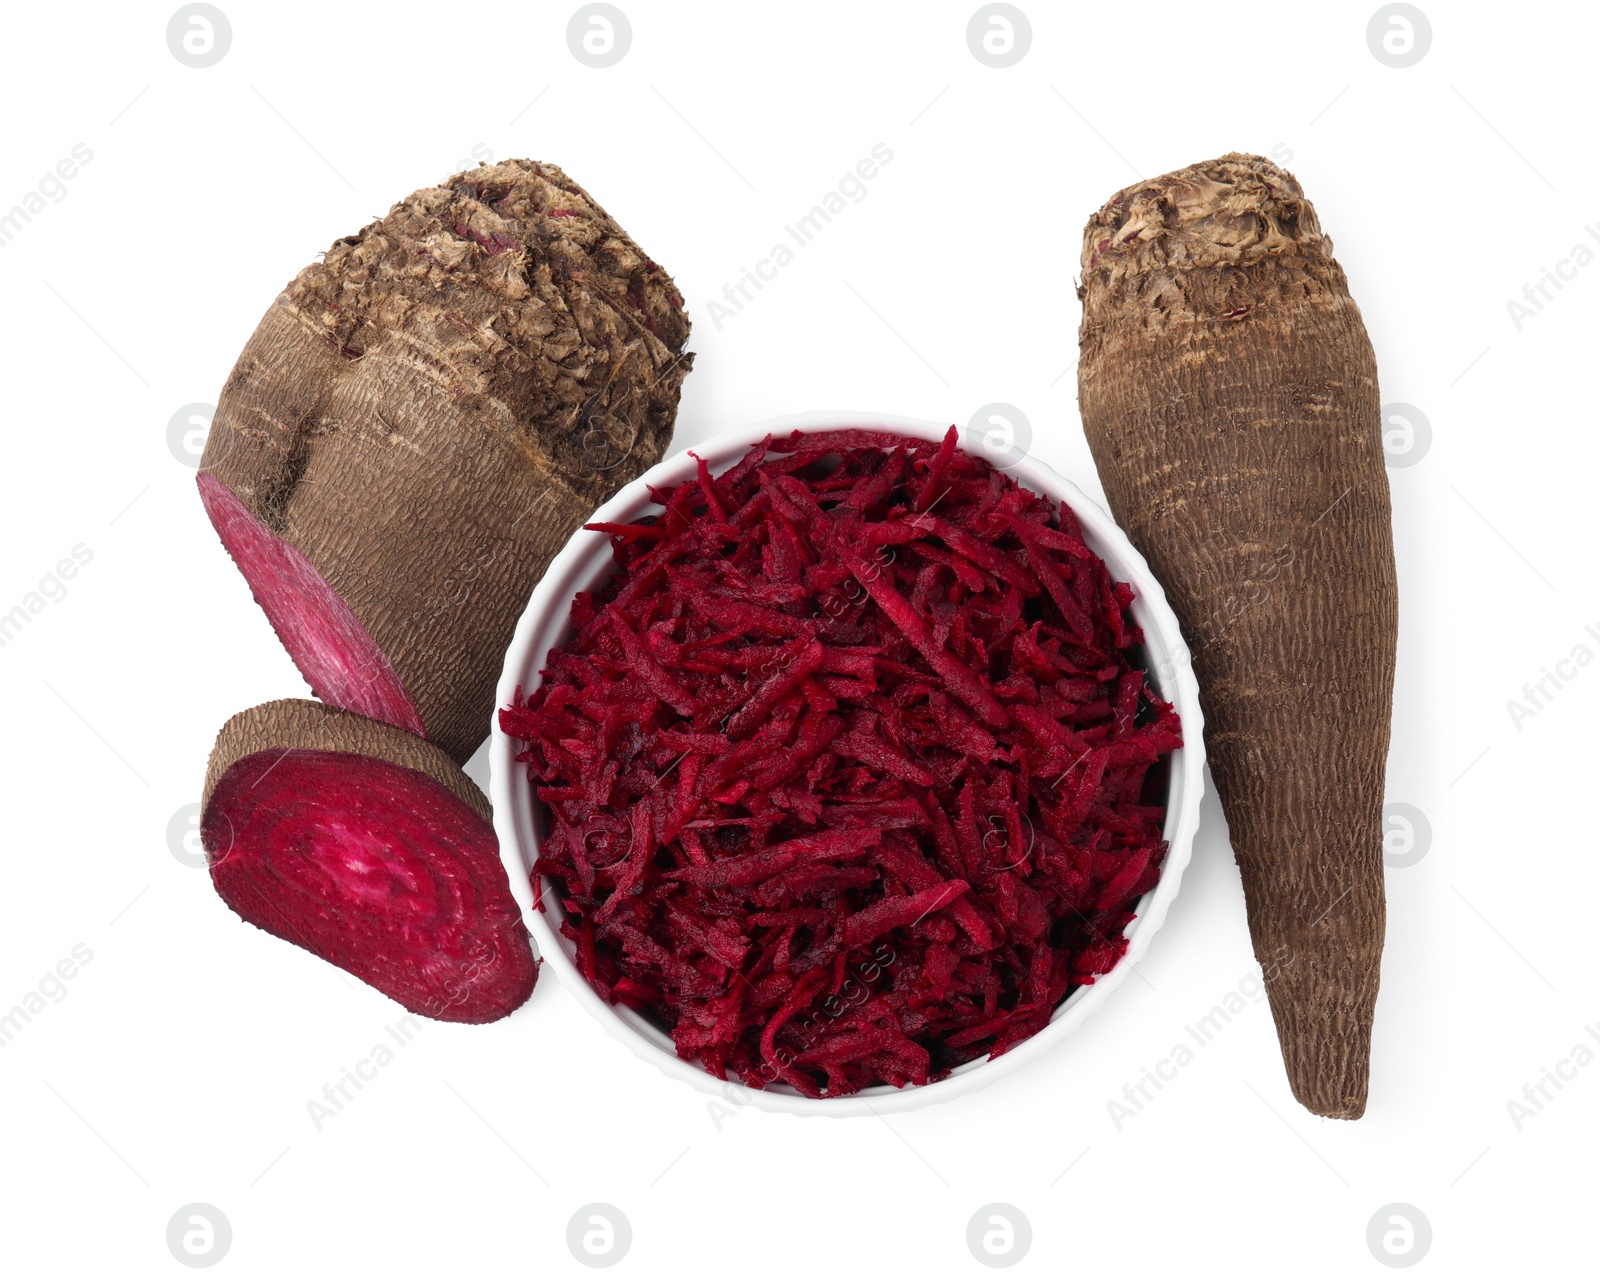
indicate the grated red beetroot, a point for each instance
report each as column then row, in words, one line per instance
column 850, row 776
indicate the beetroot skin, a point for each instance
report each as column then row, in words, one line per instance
column 851, row 771
column 376, row 867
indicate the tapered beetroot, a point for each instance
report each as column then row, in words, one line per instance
column 1230, row 396
column 366, row 845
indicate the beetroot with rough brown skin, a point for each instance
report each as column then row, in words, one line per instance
column 367, row 846
column 423, row 418
column 1230, row 397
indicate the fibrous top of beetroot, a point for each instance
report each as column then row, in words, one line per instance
column 567, row 316
column 850, row 769
column 1210, row 243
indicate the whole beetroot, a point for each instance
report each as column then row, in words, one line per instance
column 1230, row 396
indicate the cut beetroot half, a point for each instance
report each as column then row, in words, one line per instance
column 331, row 647
column 367, row 846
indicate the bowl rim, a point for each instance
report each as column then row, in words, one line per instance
column 542, row 624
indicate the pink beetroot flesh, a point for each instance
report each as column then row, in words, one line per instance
column 333, row 650
column 851, row 772
column 380, row 871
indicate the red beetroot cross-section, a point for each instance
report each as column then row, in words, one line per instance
column 375, row 867
column 334, row 652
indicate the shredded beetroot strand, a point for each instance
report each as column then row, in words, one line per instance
column 850, row 774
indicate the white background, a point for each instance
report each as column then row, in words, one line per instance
column 178, row 1067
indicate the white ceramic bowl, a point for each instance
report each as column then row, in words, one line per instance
column 586, row 561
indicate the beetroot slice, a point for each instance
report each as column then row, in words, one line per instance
column 368, row 847
column 334, row 652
